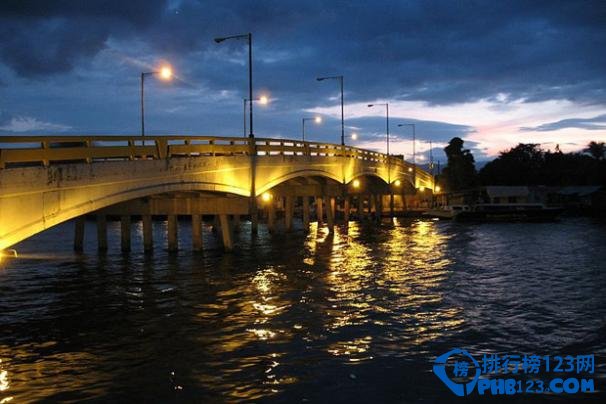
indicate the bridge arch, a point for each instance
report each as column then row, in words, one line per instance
column 48, row 180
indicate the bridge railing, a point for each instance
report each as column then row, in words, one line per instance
column 20, row 151
column 32, row 150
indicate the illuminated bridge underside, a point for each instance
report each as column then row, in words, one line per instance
column 47, row 180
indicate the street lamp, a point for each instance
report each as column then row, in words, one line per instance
column 354, row 136
column 414, row 142
column 391, row 199
column 165, row 73
column 248, row 37
column 317, row 119
column 263, row 100
column 340, row 78
column 386, row 105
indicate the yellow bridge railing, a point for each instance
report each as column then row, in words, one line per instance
column 27, row 150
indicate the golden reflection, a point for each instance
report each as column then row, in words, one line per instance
column 355, row 350
column 4, row 383
column 38, row 372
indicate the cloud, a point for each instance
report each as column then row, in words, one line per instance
column 595, row 123
column 29, row 124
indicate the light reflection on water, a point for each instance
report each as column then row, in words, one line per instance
column 358, row 314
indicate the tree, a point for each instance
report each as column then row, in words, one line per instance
column 528, row 164
column 597, row 150
column 520, row 165
column 460, row 172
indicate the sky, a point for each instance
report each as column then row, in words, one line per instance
column 495, row 73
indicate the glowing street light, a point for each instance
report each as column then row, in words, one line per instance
column 397, row 183
column 438, row 188
column 263, row 100
column 317, row 120
column 354, row 136
column 266, row 197
column 356, row 183
column 340, row 78
column 165, row 73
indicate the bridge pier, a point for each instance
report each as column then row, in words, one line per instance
column 172, row 230
column 378, row 207
column 305, row 213
column 148, row 238
column 288, row 212
column 79, row 234
column 360, row 212
column 319, row 210
column 102, row 233
column 271, row 216
column 125, row 233
column 226, row 232
column 346, row 209
column 196, row 232
column 330, row 213
column 236, row 223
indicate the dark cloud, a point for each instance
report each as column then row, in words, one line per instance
column 42, row 37
column 61, row 61
column 437, row 51
column 595, row 123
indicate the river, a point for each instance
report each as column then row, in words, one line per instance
column 358, row 316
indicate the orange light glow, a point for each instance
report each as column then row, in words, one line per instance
column 166, row 73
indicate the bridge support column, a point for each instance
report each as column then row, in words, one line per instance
column 346, row 208
column 79, row 234
column 319, row 210
column 236, row 219
column 379, row 207
column 148, row 238
column 306, row 213
column 391, row 204
column 196, row 232
column 360, row 207
column 125, row 233
column 102, row 232
column 330, row 213
column 226, row 232
column 288, row 212
column 371, row 206
column 173, row 238
column 254, row 219
column 271, row 216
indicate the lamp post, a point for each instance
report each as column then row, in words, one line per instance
column 253, row 148
column 263, row 100
column 165, row 73
column 340, row 78
column 414, row 142
column 316, row 119
column 388, row 159
column 386, row 105
column 248, row 37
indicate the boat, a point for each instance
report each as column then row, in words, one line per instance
column 510, row 212
column 446, row 211
column 498, row 212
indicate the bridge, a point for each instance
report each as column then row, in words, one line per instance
column 47, row 180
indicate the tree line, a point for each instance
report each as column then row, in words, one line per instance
column 524, row 164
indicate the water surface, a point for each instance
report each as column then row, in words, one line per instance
column 358, row 316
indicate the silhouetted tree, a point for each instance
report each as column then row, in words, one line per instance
column 596, row 149
column 520, row 165
column 528, row 164
column 460, row 172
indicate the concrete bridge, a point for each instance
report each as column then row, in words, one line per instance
column 47, row 180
